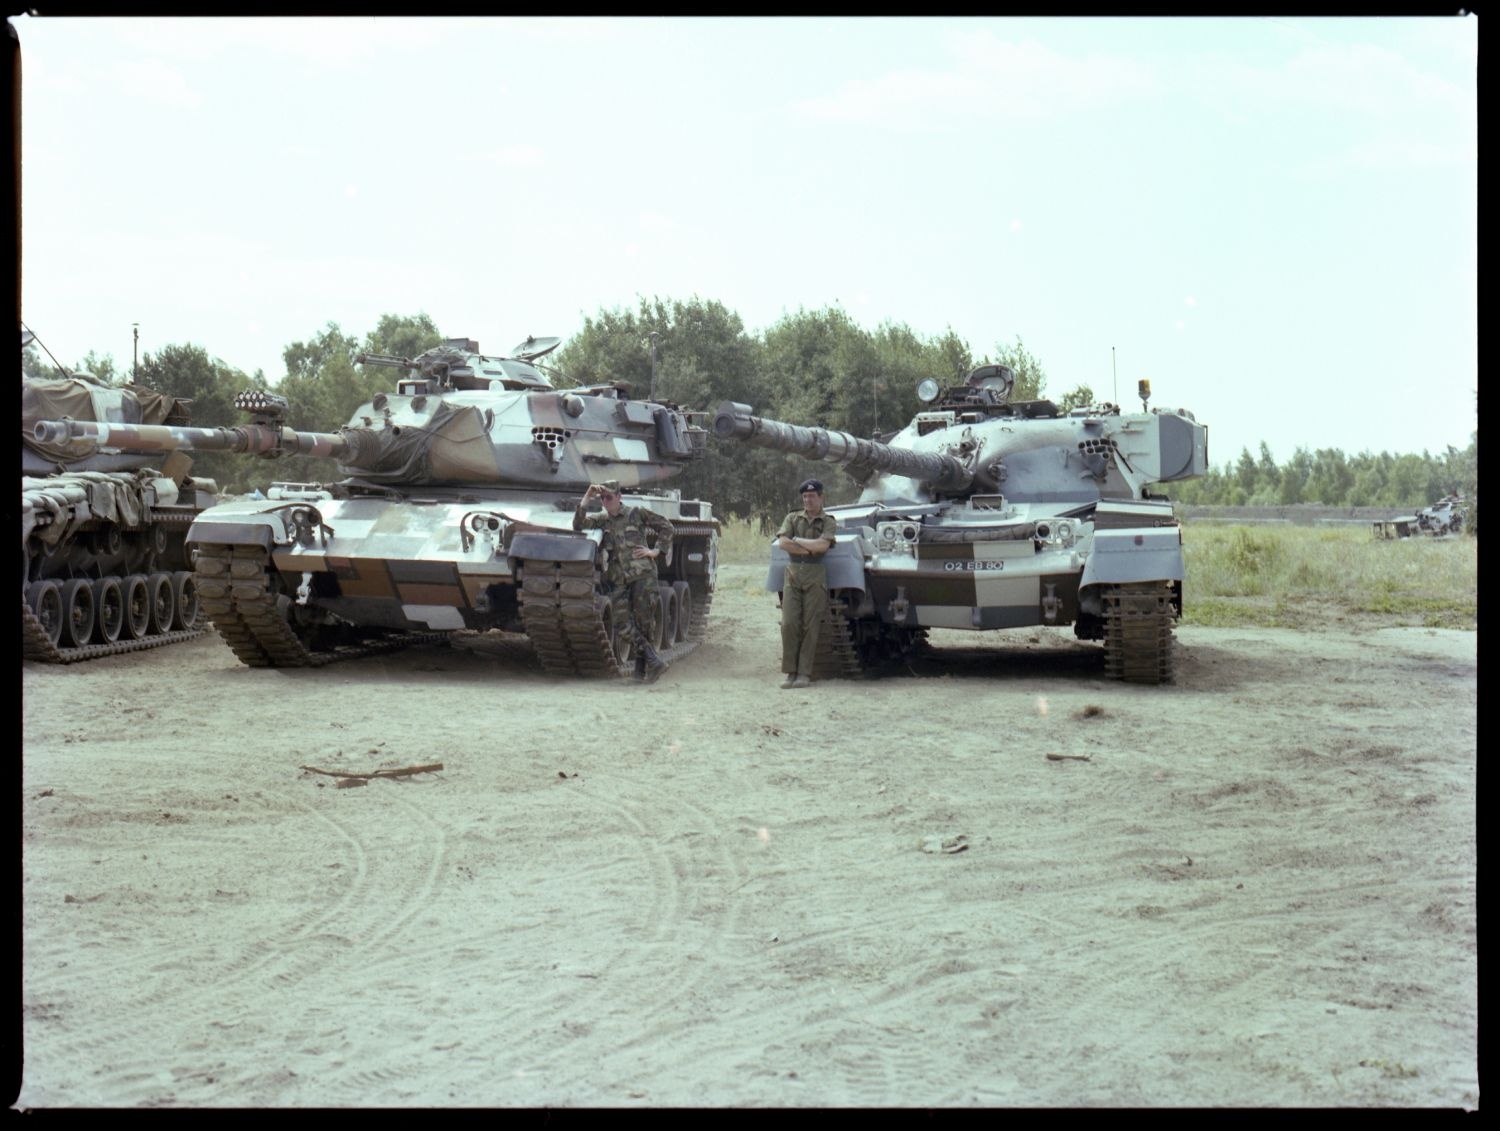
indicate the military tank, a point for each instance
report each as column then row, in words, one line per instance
column 104, row 565
column 989, row 513
column 456, row 516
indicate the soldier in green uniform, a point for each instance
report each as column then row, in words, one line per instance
column 632, row 565
column 806, row 535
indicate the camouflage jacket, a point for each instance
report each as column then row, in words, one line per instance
column 800, row 524
column 622, row 534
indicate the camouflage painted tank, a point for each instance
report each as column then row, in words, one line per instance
column 987, row 513
column 456, row 515
column 104, row 567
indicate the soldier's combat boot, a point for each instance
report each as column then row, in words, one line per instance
column 654, row 664
column 639, row 675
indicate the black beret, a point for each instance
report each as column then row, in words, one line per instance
column 811, row 485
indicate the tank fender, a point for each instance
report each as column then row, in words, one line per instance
column 845, row 562
column 263, row 530
column 1139, row 554
column 551, row 547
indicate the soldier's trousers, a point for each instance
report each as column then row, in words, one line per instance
column 804, row 601
column 641, row 599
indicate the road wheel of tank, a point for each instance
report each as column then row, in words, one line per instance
column 78, row 612
column 107, row 542
column 109, row 610
column 137, row 606
column 684, row 593
column 667, row 634
column 45, row 599
column 163, row 601
column 184, row 599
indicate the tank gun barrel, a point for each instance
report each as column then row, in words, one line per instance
column 863, row 458
column 386, row 360
column 254, row 439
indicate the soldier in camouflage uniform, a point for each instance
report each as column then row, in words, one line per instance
column 632, row 565
column 807, row 535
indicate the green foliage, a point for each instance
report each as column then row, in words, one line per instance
column 102, row 368
column 1331, row 478
column 1031, row 381
column 188, row 371
column 1082, row 396
column 324, row 386
column 37, row 366
column 1297, row 575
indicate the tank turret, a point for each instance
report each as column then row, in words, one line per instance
column 105, row 567
column 989, row 513
column 456, row 514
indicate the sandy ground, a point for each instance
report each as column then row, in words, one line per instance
column 1257, row 889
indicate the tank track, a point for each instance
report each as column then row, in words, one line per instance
column 839, row 655
column 703, row 597
column 562, row 614
column 36, row 645
column 1138, row 641
column 234, row 591
column 836, row 657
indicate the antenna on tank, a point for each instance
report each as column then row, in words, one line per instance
column 1115, row 374
column 45, row 350
column 655, row 337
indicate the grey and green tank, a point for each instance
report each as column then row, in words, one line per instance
column 104, row 563
column 987, row 513
column 456, row 515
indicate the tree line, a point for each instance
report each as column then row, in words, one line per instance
column 814, row 367
column 1327, row 476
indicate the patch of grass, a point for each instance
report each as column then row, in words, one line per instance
column 1296, row 575
column 741, row 543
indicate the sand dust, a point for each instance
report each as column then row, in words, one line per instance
column 1259, row 889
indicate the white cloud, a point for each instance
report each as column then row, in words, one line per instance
column 990, row 77
column 1015, row 225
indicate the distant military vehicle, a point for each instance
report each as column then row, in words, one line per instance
column 456, row 515
column 104, row 568
column 1444, row 517
column 987, row 513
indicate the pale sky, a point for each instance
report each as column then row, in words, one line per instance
column 1275, row 220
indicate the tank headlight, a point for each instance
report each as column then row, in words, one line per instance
column 928, row 390
column 909, row 533
column 1043, row 531
column 1064, row 532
